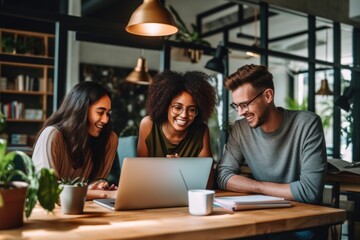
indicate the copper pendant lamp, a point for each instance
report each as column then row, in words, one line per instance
column 151, row 19
column 140, row 74
column 324, row 88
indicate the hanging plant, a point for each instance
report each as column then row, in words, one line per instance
column 186, row 36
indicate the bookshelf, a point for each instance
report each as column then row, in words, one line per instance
column 26, row 84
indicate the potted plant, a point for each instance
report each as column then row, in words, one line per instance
column 21, row 187
column 73, row 195
column 187, row 36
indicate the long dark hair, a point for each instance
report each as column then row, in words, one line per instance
column 72, row 120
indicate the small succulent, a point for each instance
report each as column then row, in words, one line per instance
column 78, row 181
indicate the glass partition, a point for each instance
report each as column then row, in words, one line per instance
column 346, row 121
column 292, row 40
column 324, row 40
column 324, row 101
column 346, row 45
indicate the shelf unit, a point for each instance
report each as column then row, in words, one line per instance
column 26, row 84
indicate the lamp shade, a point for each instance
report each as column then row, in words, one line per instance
column 140, row 73
column 324, row 88
column 151, row 19
column 217, row 62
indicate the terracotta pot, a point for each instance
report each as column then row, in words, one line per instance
column 12, row 212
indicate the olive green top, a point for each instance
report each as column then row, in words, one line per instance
column 191, row 146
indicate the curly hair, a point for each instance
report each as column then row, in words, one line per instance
column 257, row 75
column 170, row 84
column 72, row 120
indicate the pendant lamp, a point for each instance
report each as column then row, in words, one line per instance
column 217, row 62
column 151, row 19
column 324, row 88
column 140, row 74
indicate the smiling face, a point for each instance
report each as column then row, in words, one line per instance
column 99, row 115
column 257, row 109
column 181, row 121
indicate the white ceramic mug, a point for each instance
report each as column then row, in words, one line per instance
column 201, row 201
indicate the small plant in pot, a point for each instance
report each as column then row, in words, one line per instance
column 21, row 187
column 73, row 195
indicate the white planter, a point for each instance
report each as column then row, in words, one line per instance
column 72, row 199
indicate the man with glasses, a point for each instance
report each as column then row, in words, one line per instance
column 284, row 149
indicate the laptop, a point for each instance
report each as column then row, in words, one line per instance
column 158, row 182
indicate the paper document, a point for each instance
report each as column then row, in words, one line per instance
column 235, row 203
column 338, row 165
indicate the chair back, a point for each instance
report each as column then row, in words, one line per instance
column 126, row 148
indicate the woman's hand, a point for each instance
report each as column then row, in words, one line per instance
column 101, row 185
column 101, row 189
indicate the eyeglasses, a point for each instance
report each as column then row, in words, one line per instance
column 178, row 109
column 244, row 105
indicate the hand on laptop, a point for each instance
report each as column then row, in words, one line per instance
column 101, row 189
column 102, row 185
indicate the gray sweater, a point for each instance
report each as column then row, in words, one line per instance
column 295, row 154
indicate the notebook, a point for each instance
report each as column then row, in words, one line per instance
column 236, row 203
column 158, row 182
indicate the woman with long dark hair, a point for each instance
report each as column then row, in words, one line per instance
column 77, row 139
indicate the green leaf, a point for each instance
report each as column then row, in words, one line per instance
column 18, row 165
column 78, row 181
column 49, row 191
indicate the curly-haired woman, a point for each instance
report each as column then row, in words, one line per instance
column 178, row 107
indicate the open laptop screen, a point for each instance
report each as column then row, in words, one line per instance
column 158, row 182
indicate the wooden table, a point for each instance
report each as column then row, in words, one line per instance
column 175, row 223
column 350, row 183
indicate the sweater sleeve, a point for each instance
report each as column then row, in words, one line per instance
column 47, row 150
column 232, row 159
column 309, row 187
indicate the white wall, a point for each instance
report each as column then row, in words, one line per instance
column 103, row 54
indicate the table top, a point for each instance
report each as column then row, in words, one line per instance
column 342, row 177
column 100, row 223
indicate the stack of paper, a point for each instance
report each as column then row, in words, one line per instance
column 235, row 203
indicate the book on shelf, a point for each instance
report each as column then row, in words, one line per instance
column 18, row 139
column 26, row 149
column 236, row 203
column 3, row 83
column 14, row 110
column 341, row 166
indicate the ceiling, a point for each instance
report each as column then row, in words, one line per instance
column 120, row 10
column 285, row 23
